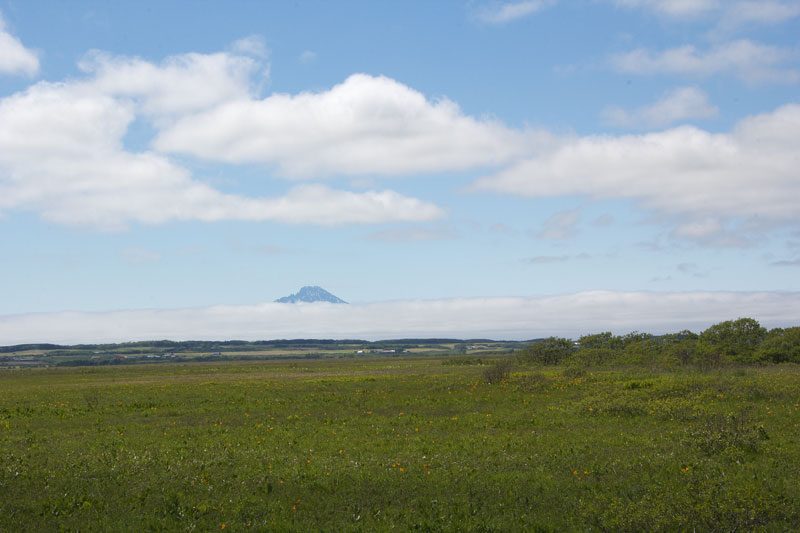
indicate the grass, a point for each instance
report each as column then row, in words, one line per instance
column 398, row 443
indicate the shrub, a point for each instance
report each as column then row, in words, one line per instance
column 92, row 397
column 720, row 433
column 600, row 340
column 497, row 373
column 781, row 346
column 574, row 372
column 550, row 351
column 595, row 357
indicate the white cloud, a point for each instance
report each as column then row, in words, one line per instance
column 674, row 8
column 254, row 45
column 706, row 181
column 758, row 12
column 750, row 61
column 318, row 204
column 508, row 11
column 675, row 106
column 366, row 125
column 14, row 57
column 727, row 16
column 61, row 156
column 568, row 315
column 730, row 13
column 561, row 225
column 179, row 85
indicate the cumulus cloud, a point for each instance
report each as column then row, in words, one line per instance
column 675, row 106
column 568, row 315
column 508, row 11
column 179, row 85
column 365, row 125
column 61, row 155
column 14, row 57
column 705, row 180
column 749, row 61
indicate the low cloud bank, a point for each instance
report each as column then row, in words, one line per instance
column 569, row 315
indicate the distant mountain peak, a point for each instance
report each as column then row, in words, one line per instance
column 311, row 294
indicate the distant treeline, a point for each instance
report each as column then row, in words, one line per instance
column 741, row 341
column 233, row 345
column 26, row 347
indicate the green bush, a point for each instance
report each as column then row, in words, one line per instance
column 781, row 346
column 550, row 351
column 497, row 373
column 735, row 340
column 732, row 432
column 594, row 357
column 573, row 372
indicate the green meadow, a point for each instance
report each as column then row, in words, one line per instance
column 404, row 443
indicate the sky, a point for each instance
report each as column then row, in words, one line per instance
column 470, row 168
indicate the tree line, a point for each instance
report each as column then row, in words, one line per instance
column 742, row 341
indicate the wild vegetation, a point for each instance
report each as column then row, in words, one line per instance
column 741, row 341
column 421, row 443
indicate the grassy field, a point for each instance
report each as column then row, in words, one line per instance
column 398, row 443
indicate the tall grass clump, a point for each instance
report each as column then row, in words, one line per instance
column 498, row 372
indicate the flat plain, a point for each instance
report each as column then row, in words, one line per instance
column 405, row 443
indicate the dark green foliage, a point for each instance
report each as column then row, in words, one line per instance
column 682, row 347
column 635, row 337
column 736, row 340
column 741, row 341
column 781, row 346
column 600, row 341
column 464, row 361
column 595, row 357
column 550, row 351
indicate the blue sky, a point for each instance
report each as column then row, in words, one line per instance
column 454, row 167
